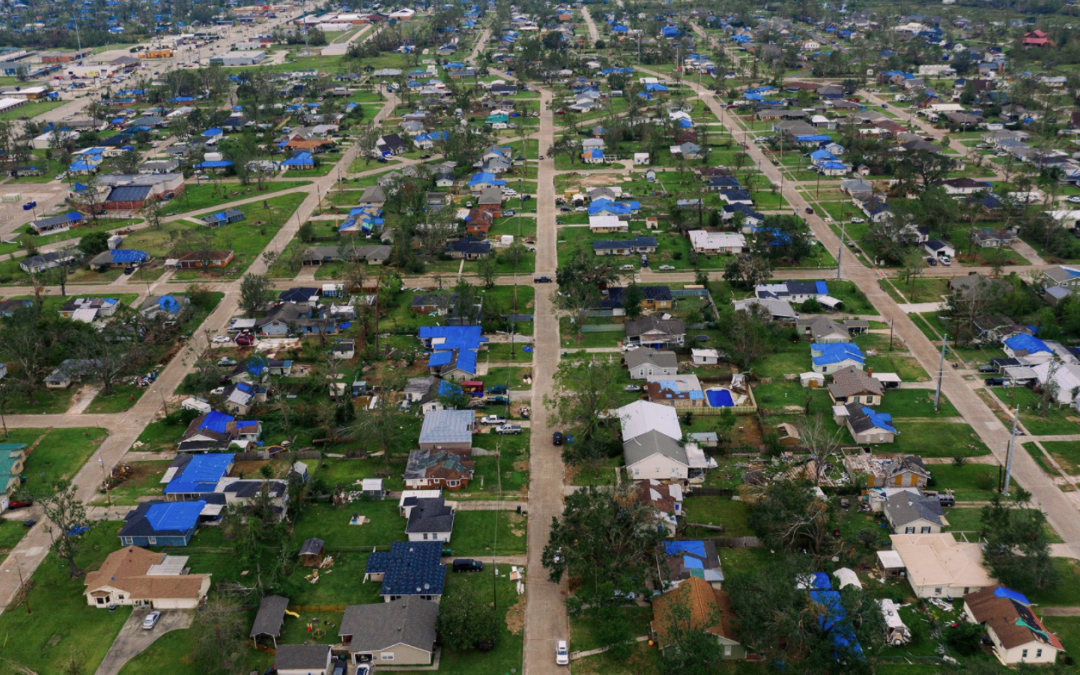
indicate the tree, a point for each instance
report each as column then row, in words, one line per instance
column 788, row 515
column 688, row 646
column 255, row 292
column 631, row 302
column 108, row 354
column 584, row 391
column 747, row 270
column 67, row 516
column 487, row 271
column 24, row 347
column 824, row 446
column 93, row 243
column 747, row 334
column 220, row 629
column 151, row 211
column 383, row 423
column 466, row 623
column 604, row 535
column 1017, row 550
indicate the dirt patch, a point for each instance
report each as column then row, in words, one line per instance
column 599, row 180
column 521, row 465
column 249, row 469
column 515, row 616
column 516, row 524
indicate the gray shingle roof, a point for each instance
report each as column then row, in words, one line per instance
column 651, row 443
column 430, row 515
column 408, row 620
column 270, row 617
column 851, row 381
column 906, row 507
column 447, row 426
column 642, row 356
column 300, row 657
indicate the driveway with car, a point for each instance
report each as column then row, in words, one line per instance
column 133, row 639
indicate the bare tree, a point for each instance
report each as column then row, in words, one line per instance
column 67, row 518
column 822, row 444
column 220, row 629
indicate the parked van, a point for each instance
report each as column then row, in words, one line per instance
column 468, row 565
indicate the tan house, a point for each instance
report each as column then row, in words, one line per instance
column 141, row 578
column 939, row 566
column 400, row 632
column 889, row 471
column 709, row 608
column 851, row 385
column 1016, row 632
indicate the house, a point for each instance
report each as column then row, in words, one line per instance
column 158, row 523
column 867, row 425
column 57, row 224
column 607, row 223
column 468, row 248
column 680, row 391
column 223, row 217
column 644, row 363
column 964, row 186
column 655, row 332
column 636, row 245
column 666, row 500
column 311, row 552
column 46, row 261
column 67, row 373
column 686, row 559
column 137, row 577
column 1038, row 39
column 302, row 660
column 938, row 248
column 450, row 469
column 939, row 566
column 890, row 471
column 401, row 632
column 705, row 357
column 851, row 385
column 197, row 260
column 822, row 330
column 641, row 417
column 119, row 258
column 717, row 242
column 430, row 520
column 655, row 455
column 709, row 609
column 1017, row 634
column 270, row 618
column 796, row 292
column 194, row 476
column 830, row 357
column 373, row 196
column 992, row 238
column 447, row 430
column 88, row 309
column 389, row 145
column 167, row 306
column 409, row 568
column 652, row 297
column 453, row 350
column 777, row 309
column 911, row 512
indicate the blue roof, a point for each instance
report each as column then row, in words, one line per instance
column 1026, row 343
column 816, row 138
column 179, row 516
column 169, row 303
column 819, row 155
column 128, row 255
column 440, row 359
column 202, row 473
column 464, row 340
column 1002, row 592
column 485, row 177
column 217, row 164
column 833, row 620
column 447, row 388
column 299, row 159
column 596, row 153
column 410, row 568
column 880, row 420
column 215, row 421
column 829, row 353
column 212, row 132
column 822, row 287
column 838, row 166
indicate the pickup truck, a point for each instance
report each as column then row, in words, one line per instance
column 492, row 419
column 508, row 429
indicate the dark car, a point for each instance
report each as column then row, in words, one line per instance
column 995, row 381
column 987, row 369
column 556, row 438
column 468, row 565
column 542, row 280
column 340, row 668
column 931, row 260
column 809, row 209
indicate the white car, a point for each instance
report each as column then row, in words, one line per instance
column 1074, row 199
column 220, row 339
column 562, row 653
column 629, row 347
column 857, row 221
column 151, row 620
column 666, row 268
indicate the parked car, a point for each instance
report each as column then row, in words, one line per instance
column 509, row 212
column 562, row 653
column 626, row 268
column 629, row 347
column 809, row 209
column 632, row 388
column 541, row 157
column 151, row 620
column 220, row 339
column 931, row 260
column 245, row 340
column 508, row 429
column 857, row 220
column 666, row 268
column 945, row 260
column 20, row 504
column 467, row 565
column 542, row 280
column 497, row 389
column 556, row 438
column 340, row 668
column 995, row 381
column 492, row 419
column 1073, row 199
column 987, row 369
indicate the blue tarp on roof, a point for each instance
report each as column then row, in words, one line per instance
column 817, row 138
column 833, row 620
column 821, row 287
column 299, row 159
column 1026, row 343
column 820, row 581
column 1002, row 592
column 837, row 352
column 449, row 388
column 485, row 178
column 202, row 473
column 174, row 516
column 169, row 304
column 128, row 255
column 880, row 420
column 216, row 421
column 210, row 133
column 217, row 164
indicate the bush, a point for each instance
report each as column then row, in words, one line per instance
column 964, row 638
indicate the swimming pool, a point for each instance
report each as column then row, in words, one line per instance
column 719, row 398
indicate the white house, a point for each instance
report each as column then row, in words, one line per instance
column 641, row 417
column 717, row 242
column 939, row 566
column 654, row 455
column 607, row 223
column 1017, row 634
column 641, row 158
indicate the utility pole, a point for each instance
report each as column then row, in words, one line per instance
column 941, row 370
column 840, row 249
column 1009, row 455
column 495, row 541
column 105, row 480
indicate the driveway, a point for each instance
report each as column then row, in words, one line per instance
column 132, row 639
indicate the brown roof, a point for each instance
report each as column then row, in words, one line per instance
column 1013, row 621
column 851, row 381
column 126, row 570
column 706, row 605
column 307, row 145
column 207, row 255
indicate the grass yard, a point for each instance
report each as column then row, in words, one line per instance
column 481, row 533
column 970, row 482
column 11, row 533
column 209, row 195
column 1067, row 591
column 969, row 521
column 1057, row 421
column 31, row 110
column 61, row 622
column 915, row 403
column 716, row 511
column 145, row 481
column 57, row 456
column 936, row 439
column 511, row 377
column 122, row 398
column 160, row 436
column 582, row 637
column 1066, row 453
column 331, row 524
column 172, row 652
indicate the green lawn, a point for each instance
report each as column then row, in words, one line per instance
column 331, row 524
column 123, row 397
column 1067, row 628
column 583, row 637
column 161, row 436
column 1057, row 420
column 1066, row 453
column 146, row 482
column 31, row 110
column 1067, row 591
column 936, row 439
column 479, row 533
column 716, row 511
column 170, row 653
column 970, row 521
column 56, row 457
column 208, row 195
column 511, row 377
column 915, row 403
column 61, row 622
column 971, row 482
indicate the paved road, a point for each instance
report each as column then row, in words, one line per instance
column 133, row 640
column 341, row 48
column 594, row 34
column 1059, row 510
column 545, row 602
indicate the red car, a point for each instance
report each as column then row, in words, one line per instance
column 15, row 504
column 245, row 340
